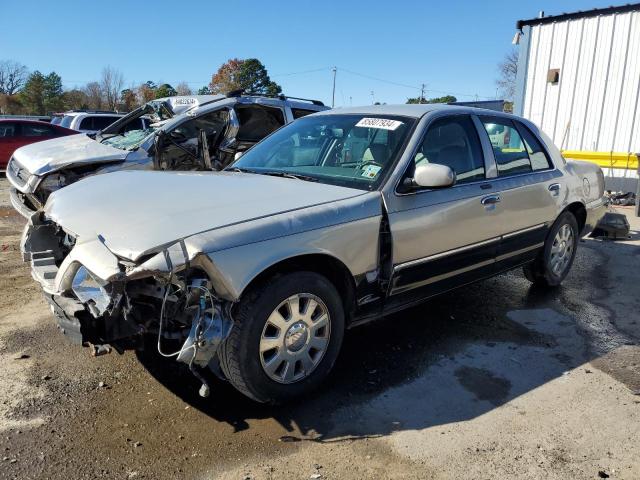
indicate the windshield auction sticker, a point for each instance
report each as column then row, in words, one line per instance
column 383, row 123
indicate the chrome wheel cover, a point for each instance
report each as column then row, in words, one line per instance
column 295, row 338
column 561, row 250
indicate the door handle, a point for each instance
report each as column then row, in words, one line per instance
column 554, row 188
column 490, row 200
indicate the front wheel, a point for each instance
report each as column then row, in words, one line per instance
column 555, row 260
column 286, row 337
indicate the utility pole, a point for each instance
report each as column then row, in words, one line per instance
column 373, row 98
column 422, row 94
column 333, row 94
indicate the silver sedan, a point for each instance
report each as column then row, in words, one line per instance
column 332, row 221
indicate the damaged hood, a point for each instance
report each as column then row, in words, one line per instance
column 50, row 155
column 137, row 212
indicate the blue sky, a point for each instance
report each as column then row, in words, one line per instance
column 451, row 46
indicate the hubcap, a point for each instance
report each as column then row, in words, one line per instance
column 561, row 250
column 295, row 338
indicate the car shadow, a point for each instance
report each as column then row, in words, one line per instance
column 453, row 358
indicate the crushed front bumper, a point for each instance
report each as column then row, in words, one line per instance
column 18, row 203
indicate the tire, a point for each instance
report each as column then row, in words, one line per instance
column 252, row 369
column 545, row 271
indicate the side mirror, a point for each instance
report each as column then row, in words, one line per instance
column 433, row 175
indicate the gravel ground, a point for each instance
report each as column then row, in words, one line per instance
column 495, row 380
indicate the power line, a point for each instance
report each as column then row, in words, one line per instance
column 300, row 73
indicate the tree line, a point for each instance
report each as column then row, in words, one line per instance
column 35, row 93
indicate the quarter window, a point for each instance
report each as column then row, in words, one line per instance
column 508, row 148
column 454, row 142
column 300, row 112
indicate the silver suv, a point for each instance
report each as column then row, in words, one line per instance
column 201, row 132
column 332, row 221
column 88, row 121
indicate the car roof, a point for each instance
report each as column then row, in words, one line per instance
column 94, row 114
column 23, row 120
column 409, row 110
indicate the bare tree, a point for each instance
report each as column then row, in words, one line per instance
column 507, row 71
column 111, row 83
column 183, row 89
column 13, row 75
column 93, row 91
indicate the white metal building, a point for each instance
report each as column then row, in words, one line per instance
column 579, row 80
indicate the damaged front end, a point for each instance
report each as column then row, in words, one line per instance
column 105, row 302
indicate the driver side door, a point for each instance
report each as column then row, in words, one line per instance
column 443, row 238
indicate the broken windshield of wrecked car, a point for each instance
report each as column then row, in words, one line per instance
column 129, row 140
column 349, row 150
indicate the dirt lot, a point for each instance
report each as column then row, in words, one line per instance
column 496, row 380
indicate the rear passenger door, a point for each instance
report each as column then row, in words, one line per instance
column 529, row 186
column 443, row 238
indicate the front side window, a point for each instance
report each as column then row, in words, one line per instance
column 508, row 148
column 349, row 150
column 182, row 144
column 454, row 142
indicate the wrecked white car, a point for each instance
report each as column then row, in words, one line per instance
column 201, row 132
column 332, row 221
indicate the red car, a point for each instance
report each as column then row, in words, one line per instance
column 15, row 133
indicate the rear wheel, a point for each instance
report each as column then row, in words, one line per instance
column 555, row 260
column 286, row 337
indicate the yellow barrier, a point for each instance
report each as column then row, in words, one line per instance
column 605, row 159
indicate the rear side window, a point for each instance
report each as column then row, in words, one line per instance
column 453, row 141
column 86, row 124
column 33, row 130
column 8, row 130
column 258, row 121
column 508, row 148
column 537, row 155
column 100, row 123
column 300, row 112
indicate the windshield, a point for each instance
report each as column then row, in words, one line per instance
column 130, row 140
column 66, row 121
column 349, row 150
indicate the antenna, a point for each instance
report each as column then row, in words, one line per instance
column 333, row 94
